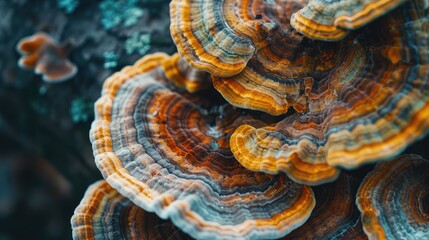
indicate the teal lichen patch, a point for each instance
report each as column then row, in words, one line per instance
column 110, row 60
column 43, row 90
column 138, row 42
column 68, row 5
column 81, row 110
column 116, row 12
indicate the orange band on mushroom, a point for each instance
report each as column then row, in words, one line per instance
column 220, row 36
column 368, row 106
column 183, row 76
column 393, row 199
column 335, row 215
column 168, row 152
column 332, row 20
column 105, row 214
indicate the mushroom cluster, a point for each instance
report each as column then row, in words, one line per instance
column 263, row 100
column 362, row 99
column 168, row 152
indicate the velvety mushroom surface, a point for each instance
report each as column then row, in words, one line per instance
column 168, row 152
column 369, row 101
column 47, row 57
column 332, row 20
column 394, row 199
column 103, row 213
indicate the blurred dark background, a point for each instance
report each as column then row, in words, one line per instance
column 46, row 160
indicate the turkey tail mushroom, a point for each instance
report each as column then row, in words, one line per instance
column 332, row 20
column 394, row 199
column 369, row 103
column 168, row 152
column 103, row 214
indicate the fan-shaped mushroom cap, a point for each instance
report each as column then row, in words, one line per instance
column 331, row 20
column 335, row 215
column 48, row 58
column 105, row 214
column 220, row 36
column 394, row 199
column 369, row 107
column 295, row 72
column 183, row 76
column 168, row 152
column 281, row 73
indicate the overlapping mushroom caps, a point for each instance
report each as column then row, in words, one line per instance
column 365, row 102
column 332, row 20
column 47, row 57
column 335, row 215
column 206, row 33
column 105, row 214
column 394, row 199
column 183, row 76
column 221, row 36
column 168, row 152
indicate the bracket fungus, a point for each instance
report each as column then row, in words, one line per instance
column 269, row 76
column 103, row 213
column 168, row 152
column 47, row 57
column 394, row 199
column 221, row 36
column 371, row 103
column 335, row 210
column 331, row 20
column 167, row 143
column 184, row 76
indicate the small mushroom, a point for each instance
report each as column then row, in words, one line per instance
column 332, row 20
column 368, row 101
column 103, row 213
column 47, row 57
column 168, row 152
column 394, row 199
